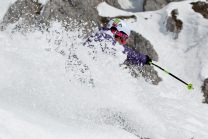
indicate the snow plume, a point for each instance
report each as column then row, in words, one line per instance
column 37, row 77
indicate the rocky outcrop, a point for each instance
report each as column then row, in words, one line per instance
column 205, row 90
column 139, row 44
column 201, row 7
column 153, row 5
column 173, row 24
column 26, row 11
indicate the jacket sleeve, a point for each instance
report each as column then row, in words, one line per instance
column 133, row 57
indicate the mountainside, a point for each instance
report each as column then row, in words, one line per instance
column 51, row 86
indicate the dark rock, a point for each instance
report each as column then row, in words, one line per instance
column 173, row 24
column 78, row 10
column 28, row 11
column 201, row 7
column 113, row 3
column 148, row 72
column 139, row 44
column 205, row 90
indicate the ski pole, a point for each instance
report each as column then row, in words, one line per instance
column 190, row 86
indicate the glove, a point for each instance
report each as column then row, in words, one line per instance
column 148, row 60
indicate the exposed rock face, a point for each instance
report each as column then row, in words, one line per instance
column 153, row 5
column 147, row 72
column 67, row 10
column 201, row 7
column 139, row 44
column 173, row 24
column 113, row 3
column 28, row 11
column 205, row 90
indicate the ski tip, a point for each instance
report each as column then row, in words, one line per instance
column 150, row 63
column 190, row 86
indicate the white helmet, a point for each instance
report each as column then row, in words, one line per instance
column 120, row 25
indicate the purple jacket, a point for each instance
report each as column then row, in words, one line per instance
column 132, row 57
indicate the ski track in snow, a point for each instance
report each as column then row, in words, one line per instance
column 43, row 96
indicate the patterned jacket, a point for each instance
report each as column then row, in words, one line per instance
column 132, row 57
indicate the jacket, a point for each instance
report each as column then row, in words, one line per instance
column 133, row 57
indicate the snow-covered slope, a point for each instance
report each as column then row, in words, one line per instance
column 41, row 96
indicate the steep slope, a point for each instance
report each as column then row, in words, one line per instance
column 42, row 95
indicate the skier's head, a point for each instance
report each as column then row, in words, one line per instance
column 120, row 29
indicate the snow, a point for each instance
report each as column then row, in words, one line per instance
column 106, row 10
column 132, row 5
column 30, row 126
column 42, row 1
column 41, row 95
column 36, row 81
column 204, row 72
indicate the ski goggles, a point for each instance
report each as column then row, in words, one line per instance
column 124, row 37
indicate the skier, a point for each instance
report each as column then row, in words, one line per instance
column 120, row 32
column 117, row 31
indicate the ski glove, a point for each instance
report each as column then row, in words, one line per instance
column 148, row 60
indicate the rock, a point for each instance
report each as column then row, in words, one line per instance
column 152, row 5
column 139, row 44
column 28, row 11
column 148, row 72
column 70, row 11
column 173, row 24
column 201, row 7
column 205, row 90
column 34, row 14
column 113, row 3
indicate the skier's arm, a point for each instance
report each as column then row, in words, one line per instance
column 134, row 58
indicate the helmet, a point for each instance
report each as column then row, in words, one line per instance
column 120, row 25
